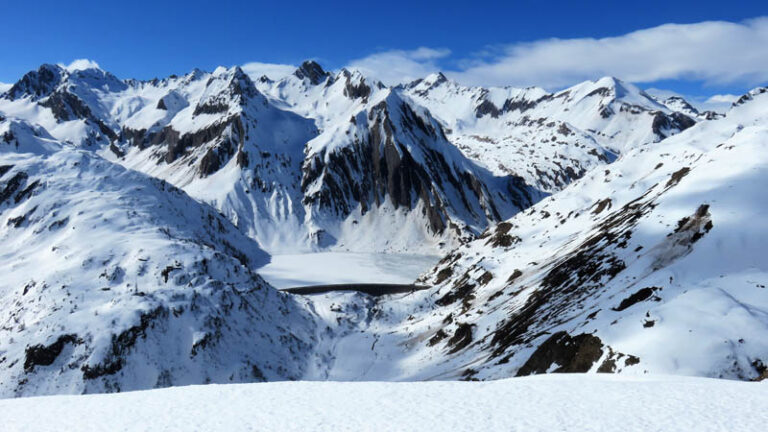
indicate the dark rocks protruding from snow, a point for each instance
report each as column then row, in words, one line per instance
column 563, row 353
column 311, row 71
column 664, row 124
column 750, row 95
column 639, row 296
column 42, row 355
column 37, row 84
column 487, row 107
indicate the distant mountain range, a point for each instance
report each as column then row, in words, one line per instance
column 593, row 229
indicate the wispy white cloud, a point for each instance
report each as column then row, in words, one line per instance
column 723, row 98
column 712, row 52
column 274, row 71
column 397, row 66
column 719, row 103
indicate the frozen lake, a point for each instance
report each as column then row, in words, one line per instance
column 291, row 270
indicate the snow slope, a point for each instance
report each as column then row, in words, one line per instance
column 547, row 403
column 654, row 264
column 112, row 280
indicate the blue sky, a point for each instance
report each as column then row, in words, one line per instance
column 479, row 42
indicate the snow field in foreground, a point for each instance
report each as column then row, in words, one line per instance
column 538, row 403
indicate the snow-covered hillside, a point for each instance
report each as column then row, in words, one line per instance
column 112, row 280
column 653, row 264
column 550, row 403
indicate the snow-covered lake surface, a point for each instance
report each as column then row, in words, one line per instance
column 540, row 403
column 291, row 270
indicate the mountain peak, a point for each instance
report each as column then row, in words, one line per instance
column 750, row 95
column 619, row 87
column 312, row 71
column 38, row 84
column 82, row 64
column 435, row 79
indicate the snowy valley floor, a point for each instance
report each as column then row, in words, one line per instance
column 539, row 403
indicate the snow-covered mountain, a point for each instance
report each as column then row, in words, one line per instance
column 654, row 264
column 276, row 158
column 113, row 280
column 548, row 139
column 592, row 229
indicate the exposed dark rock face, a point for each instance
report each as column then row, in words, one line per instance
column 27, row 192
column 42, row 355
column 501, row 237
column 116, row 150
column 240, row 89
column 519, row 104
column 461, row 290
column 486, row 107
column 683, row 103
column 211, row 108
column 11, row 186
column 613, row 362
column 440, row 79
column 461, row 338
column 312, row 71
column 749, row 96
column 437, row 337
column 663, row 123
column 639, row 296
column 601, row 91
column 178, row 144
column 381, row 166
column 36, row 84
column 359, row 90
column 566, row 353
column 602, row 205
column 578, row 274
column 134, row 137
column 66, row 106
column 210, row 163
column 677, row 176
column 4, row 169
column 122, row 344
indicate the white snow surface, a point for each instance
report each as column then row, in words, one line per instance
column 322, row 268
column 584, row 403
